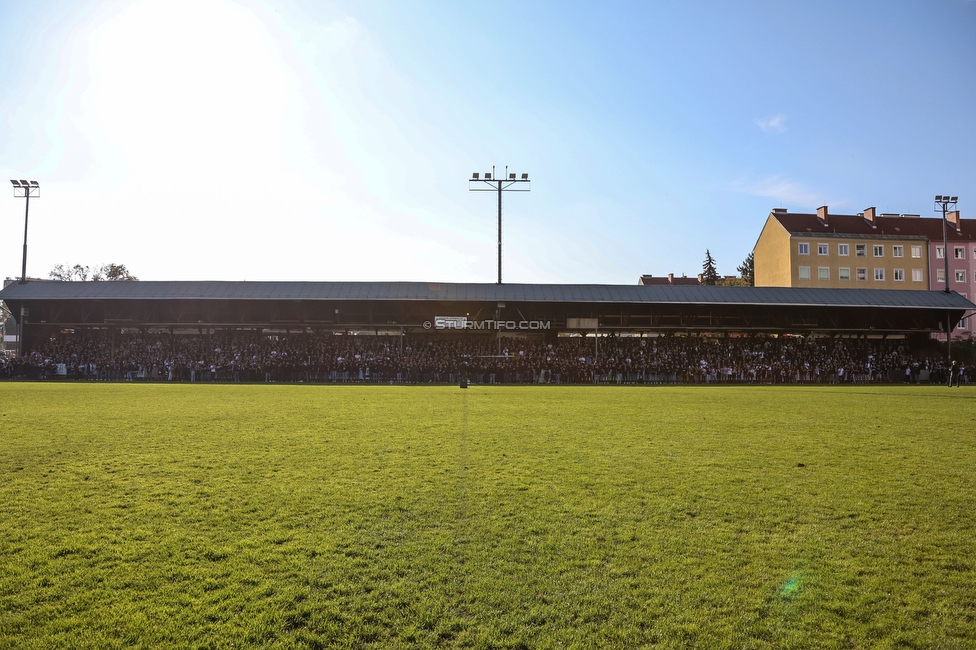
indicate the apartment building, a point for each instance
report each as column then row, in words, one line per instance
column 961, row 235
column 867, row 250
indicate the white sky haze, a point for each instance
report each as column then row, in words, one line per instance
column 214, row 139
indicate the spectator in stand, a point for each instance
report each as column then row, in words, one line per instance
column 250, row 356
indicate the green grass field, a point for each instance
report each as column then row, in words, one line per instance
column 218, row 516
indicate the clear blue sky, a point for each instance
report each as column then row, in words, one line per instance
column 210, row 139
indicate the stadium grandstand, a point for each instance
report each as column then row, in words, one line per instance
column 493, row 333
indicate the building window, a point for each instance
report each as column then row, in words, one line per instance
column 974, row 253
column 804, row 248
column 861, row 250
column 898, row 251
column 940, row 252
column 960, row 276
column 879, row 250
column 804, row 272
column 844, row 273
column 940, row 275
column 823, row 249
column 862, row 273
column 845, row 249
column 823, row 273
column 917, row 252
column 960, row 252
column 899, row 275
column 916, row 275
column 879, row 275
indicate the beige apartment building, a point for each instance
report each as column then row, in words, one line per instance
column 862, row 251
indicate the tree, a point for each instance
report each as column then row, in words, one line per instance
column 109, row 272
column 113, row 273
column 748, row 269
column 709, row 274
column 66, row 273
column 6, row 320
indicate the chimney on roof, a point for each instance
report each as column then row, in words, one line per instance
column 954, row 218
column 670, row 278
column 871, row 214
column 700, row 279
column 822, row 213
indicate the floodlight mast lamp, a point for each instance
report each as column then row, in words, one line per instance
column 26, row 190
column 508, row 183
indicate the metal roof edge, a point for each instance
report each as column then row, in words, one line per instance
column 482, row 292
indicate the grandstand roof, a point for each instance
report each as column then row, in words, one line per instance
column 447, row 291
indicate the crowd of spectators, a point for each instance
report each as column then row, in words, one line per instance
column 254, row 357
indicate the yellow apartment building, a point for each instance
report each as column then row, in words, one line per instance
column 862, row 251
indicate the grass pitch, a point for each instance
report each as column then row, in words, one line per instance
column 226, row 516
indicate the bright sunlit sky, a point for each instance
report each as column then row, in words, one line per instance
column 333, row 140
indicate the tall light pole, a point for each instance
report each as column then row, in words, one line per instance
column 26, row 190
column 946, row 203
column 508, row 183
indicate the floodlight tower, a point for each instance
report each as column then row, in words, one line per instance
column 508, row 183
column 26, row 190
column 946, row 203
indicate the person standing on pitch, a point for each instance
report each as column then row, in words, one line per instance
column 953, row 374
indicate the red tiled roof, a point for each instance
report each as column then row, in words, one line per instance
column 650, row 280
column 843, row 224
